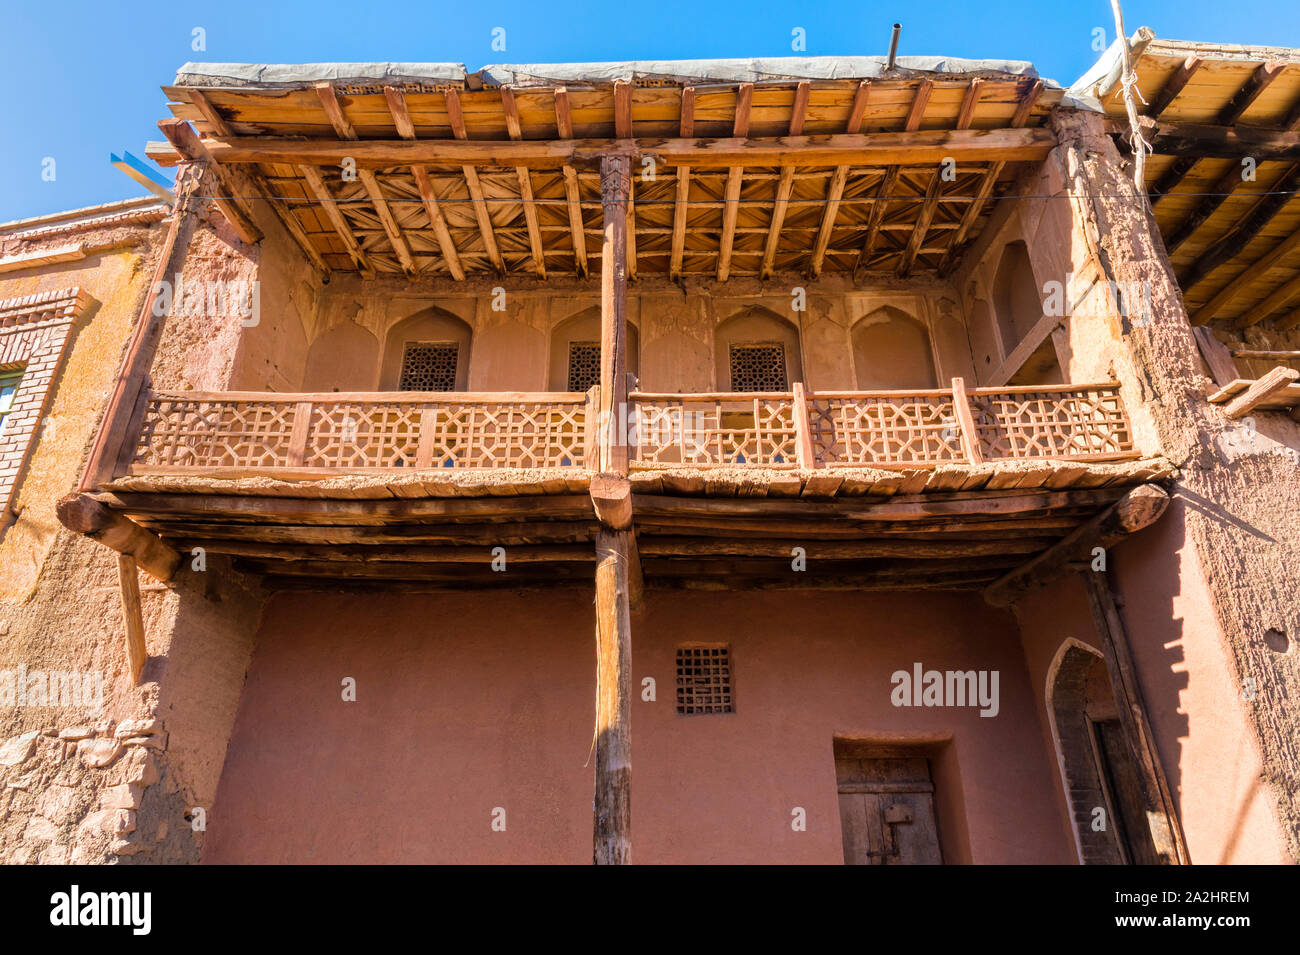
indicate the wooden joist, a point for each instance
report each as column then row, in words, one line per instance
column 456, row 117
column 82, row 514
column 786, row 184
column 1276, row 381
column 316, row 184
column 681, row 206
column 1195, row 141
column 1248, row 275
column 1137, row 509
column 515, row 131
column 573, row 198
column 406, row 129
column 835, row 187
column 735, row 176
column 1174, row 85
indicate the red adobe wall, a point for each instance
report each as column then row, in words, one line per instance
column 1201, row 723
column 474, row 701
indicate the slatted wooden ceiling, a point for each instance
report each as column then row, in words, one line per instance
column 452, row 220
column 1235, row 244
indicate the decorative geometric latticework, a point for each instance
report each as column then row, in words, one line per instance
column 215, row 434
column 584, row 365
column 704, row 680
column 753, row 431
column 1052, row 424
column 758, row 366
column 362, row 434
column 865, row 430
column 429, row 366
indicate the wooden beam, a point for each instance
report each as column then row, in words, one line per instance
column 1162, row 814
column 681, row 207
column 209, row 112
column 386, row 218
column 611, row 495
column 329, row 101
column 622, row 109
column 316, row 185
column 922, row 227
column 797, row 114
column 1222, row 368
column 922, row 147
column 406, row 129
column 984, row 190
column 515, row 130
column 132, row 616
column 181, row 135
column 456, row 118
column 1174, row 85
column 1139, row 508
column 735, row 178
column 1247, row 276
column 1042, row 329
column 777, row 547
column 1276, row 300
column 1192, row 141
column 612, row 805
column 573, row 198
column 1220, row 192
column 834, row 193
column 615, row 181
column 1260, row 391
column 970, row 436
column 1250, row 91
column 82, row 514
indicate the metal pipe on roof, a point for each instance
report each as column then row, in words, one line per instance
column 893, row 44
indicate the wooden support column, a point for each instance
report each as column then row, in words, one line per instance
column 132, row 616
column 612, row 806
column 615, row 183
column 1166, row 830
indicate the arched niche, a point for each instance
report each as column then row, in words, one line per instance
column 1016, row 301
column 345, row 358
column 757, row 350
column 419, row 352
column 891, row 350
column 574, row 363
column 1101, row 778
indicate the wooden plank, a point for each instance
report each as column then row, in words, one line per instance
column 969, row 433
column 1222, row 368
column 83, row 514
column 1276, row 381
column 917, row 148
column 1041, row 331
column 1220, row 192
column 132, row 616
column 1139, row 508
column 1278, row 299
column 615, row 181
column 1174, row 85
column 1166, row 830
column 612, row 805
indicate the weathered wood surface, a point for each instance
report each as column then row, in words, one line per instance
column 612, row 806
column 85, row 515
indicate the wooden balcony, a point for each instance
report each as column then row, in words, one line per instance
column 315, row 436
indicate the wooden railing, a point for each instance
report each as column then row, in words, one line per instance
column 237, row 433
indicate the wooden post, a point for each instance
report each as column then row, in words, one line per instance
column 1166, row 830
column 591, row 430
column 132, row 615
column 615, row 184
column 970, row 437
column 803, row 447
column 298, row 437
column 612, row 806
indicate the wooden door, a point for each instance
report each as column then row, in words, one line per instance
column 887, row 811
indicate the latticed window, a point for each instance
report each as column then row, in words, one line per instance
column 8, row 388
column 429, row 366
column 758, row 366
column 704, row 680
column 584, row 365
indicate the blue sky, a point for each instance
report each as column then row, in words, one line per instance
column 81, row 79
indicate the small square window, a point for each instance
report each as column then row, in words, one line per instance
column 8, row 389
column 429, row 366
column 584, row 365
column 759, row 366
column 704, row 680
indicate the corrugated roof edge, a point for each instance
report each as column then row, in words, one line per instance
column 775, row 69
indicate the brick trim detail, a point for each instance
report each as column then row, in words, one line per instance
column 34, row 335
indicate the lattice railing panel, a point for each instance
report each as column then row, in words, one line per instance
column 214, row 433
column 732, row 432
column 345, row 433
column 1087, row 423
column 879, row 430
